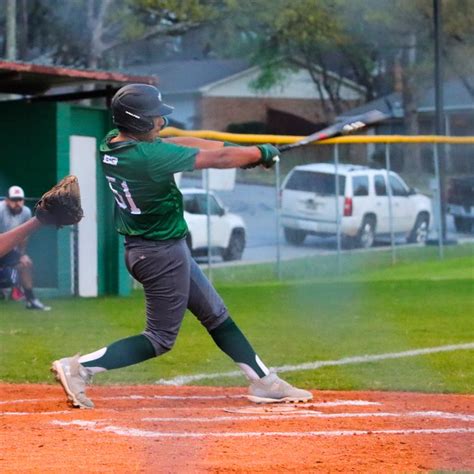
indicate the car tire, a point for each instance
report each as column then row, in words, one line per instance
column 366, row 235
column 294, row 236
column 236, row 246
column 419, row 233
column 462, row 224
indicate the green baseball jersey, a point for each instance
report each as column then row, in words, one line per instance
column 140, row 176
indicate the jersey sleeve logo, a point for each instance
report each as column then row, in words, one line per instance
column 110, row 160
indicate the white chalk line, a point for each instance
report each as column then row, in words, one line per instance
column 305, row 414
column 134, row 432
column 172, row 397
column 338, row 403
column 277, row 408
column 297, row 413
column 334, row 403
column 29, row 400
column 185, row 379
column 131, row 397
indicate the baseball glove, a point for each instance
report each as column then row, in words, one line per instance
column 61, row 205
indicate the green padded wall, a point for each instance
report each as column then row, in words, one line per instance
column 28, row 159
column 35, row 154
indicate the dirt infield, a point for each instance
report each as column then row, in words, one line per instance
column 206, row 429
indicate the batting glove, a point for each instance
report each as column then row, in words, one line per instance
column 269, row 155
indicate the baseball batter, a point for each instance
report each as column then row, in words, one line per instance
column 139, row 168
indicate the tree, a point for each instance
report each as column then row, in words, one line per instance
column 134, row 20
column 384, row 45
column 316, row 35
column 410, row 29
column 459, row 40
column 82, row 33
column 10, row 21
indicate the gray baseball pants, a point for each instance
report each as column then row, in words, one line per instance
column 173, row 282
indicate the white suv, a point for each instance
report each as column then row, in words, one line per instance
column 227, row 229
column 308, row 204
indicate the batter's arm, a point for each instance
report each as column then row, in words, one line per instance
column 228, row 157
column 237, row 157
column 10, row 239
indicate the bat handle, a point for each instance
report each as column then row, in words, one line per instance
column 283, row 148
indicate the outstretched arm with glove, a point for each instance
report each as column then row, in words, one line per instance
column 217, row 154
column 236, row 157
column 60, row 206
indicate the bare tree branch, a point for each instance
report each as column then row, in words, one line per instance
column 462, row 77
column 160, row 30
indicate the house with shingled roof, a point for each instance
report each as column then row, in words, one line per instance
column 218, row 94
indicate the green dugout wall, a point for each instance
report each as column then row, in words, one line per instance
column 36, row 153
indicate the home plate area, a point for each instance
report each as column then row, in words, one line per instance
column 216, row 429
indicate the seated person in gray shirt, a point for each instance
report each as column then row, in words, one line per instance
column 16, row 266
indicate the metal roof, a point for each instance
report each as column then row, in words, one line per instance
column 456, row 98
column 390, row 104
column 33, row 79
column 191, row 76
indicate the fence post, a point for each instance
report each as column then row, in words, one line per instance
column 439, row 210
column 278, row 219
column 338, row 214
column 390, row 202
column 75, row 259
column 208, row 221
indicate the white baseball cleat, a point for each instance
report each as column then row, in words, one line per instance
column 73, row 377
column 37, row 304
column 272, row 389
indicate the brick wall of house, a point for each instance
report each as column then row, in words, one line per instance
column 216, row 113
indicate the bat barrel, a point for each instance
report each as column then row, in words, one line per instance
column 350, row 125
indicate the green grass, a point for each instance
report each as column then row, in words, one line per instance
column 411, row 262
column 369, row 307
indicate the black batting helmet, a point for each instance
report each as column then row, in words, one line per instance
column 135, row 105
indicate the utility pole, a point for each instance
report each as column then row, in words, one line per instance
column 439, row 109
column 11, row 46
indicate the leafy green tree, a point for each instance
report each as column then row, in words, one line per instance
column 384, row 45
column 316, row 35
column 459, row 40
column 86, row 32
column 409, row 46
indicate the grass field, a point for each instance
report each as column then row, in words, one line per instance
column 368, row 307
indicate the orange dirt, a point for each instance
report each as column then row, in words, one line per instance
column 207, row 429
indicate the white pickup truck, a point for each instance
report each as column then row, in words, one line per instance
column 228, row 230
column 309, row 205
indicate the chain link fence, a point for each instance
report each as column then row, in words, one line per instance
column 323, row 210
column 337, row 205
